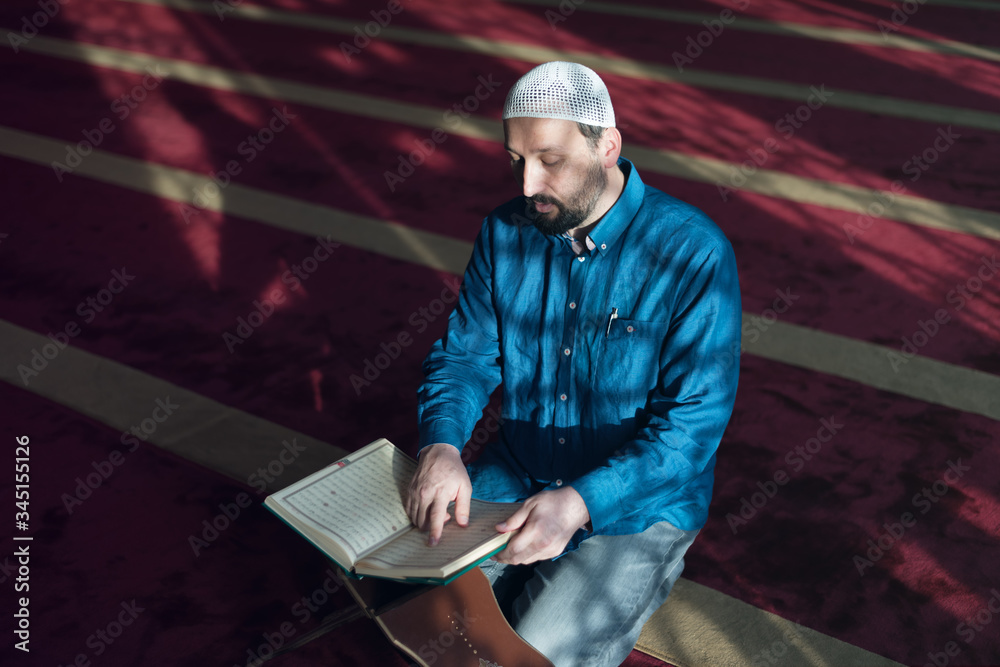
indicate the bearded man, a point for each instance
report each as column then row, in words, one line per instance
column 609, row 312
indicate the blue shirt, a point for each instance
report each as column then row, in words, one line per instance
column 628, row 410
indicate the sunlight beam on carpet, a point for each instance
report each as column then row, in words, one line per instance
column 829, row 194
column 922, row 378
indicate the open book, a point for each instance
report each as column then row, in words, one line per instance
column 353, row 511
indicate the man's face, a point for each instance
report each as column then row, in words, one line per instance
column 559, row 173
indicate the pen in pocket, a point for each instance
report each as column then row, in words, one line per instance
column 611, row 318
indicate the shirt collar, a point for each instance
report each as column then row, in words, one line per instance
column 577, row 247
column 618, row 217
column 615, row 221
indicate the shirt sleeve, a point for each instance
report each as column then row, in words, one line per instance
column 687, row 412
column 462, row 369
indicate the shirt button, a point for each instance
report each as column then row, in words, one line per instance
column 580, row 259
column 572, row 304
column 562, row 441
column 562, row 397
column 604, row 246
column 558, row 482
column 630, row 328
column 566, row 351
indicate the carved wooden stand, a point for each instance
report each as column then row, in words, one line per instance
column 458, row 625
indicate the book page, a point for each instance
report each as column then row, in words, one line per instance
column 360, row 501
column 411, row 550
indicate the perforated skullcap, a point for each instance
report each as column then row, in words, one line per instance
column 563, row 90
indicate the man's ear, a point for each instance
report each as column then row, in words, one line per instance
column 609, row 148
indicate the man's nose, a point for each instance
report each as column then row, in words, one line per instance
column 532, row 181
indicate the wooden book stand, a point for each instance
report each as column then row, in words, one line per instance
column 458, row 625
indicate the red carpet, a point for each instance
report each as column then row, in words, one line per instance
column 130, row 542
column 795, row 556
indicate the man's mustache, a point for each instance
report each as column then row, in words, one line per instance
column 543, row 199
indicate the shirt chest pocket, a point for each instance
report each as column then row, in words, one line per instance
column 628, row 362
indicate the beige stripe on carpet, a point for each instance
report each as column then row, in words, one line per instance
column 985, row 5
column 926, row 379
column 224, row 439
column 845, row 99
column 851, row 198
column 738, row 21
column 697, row 626
column 701, row 627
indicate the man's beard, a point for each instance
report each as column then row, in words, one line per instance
column 574, row 212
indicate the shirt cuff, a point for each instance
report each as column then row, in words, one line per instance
column 441, row 430
column 599, row 491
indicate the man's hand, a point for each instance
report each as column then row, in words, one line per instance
column 440, row 478
column 547, row 521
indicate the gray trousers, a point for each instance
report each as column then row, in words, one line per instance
column 587, row 608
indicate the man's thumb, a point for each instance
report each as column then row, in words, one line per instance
column 515, row 521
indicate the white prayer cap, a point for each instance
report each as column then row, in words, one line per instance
column 563, row 90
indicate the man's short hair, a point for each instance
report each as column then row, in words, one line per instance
column 592, row 133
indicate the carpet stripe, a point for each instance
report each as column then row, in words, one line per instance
column 700, row 627
column 235, row 443
column 786, row 28
column 920, row 377
column 390, row 239
column 879, row 104
column 229, row 441
column 840, row 196
column 984, row 5
column 851, row 198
